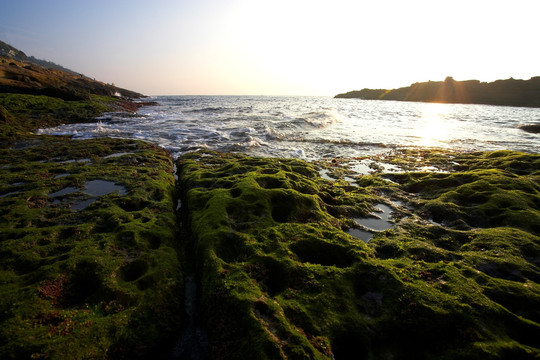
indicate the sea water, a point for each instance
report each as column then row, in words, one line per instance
column 314, row 127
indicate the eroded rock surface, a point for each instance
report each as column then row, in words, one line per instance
column 101, row 281
column 280, row 278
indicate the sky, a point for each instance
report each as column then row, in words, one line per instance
column 278, row 47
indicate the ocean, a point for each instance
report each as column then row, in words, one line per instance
column 313, row 128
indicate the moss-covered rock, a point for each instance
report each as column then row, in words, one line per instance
column 279, row 278
column 93, row 255
column 89, row 264
column 22, row 114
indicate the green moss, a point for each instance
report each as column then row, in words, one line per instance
column 103, row 281
column 22, row 114
column 280, row 278
column 258, row 224
column 277, row 275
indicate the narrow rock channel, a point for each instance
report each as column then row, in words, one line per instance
column 192, row 342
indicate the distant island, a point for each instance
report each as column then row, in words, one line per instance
column 510, row 92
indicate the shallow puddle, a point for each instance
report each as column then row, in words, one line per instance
column 175, row 172
column 431, row 169
column 64, row 191
column 93, row 188
column 61, row 175
column 366, row 167
column 371, row 225
column 9, row 193
column 117, row 155
column 360, row 234
column 351, row 181
column 323, row 173
column 77, row 206
column 103, row 187
column 74, row 160
column 379, row 223
column 361, row 167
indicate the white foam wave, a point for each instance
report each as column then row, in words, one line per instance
column 320, row 119
column 307, row 127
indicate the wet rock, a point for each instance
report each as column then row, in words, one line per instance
column 532, row 128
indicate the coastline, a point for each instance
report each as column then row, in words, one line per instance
column 266, row 242
column 509, row 92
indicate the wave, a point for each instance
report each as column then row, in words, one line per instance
column 319, row 119
column 239, row 132
column 219, row 110
column 341, row 142
column 272, row 134
column 289, row 126
column 205, row 110
column 249, row 142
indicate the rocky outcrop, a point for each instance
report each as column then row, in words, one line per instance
column 27, row 78
column 510, row 92
column 533, row 128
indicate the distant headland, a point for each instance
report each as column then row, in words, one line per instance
column 510, row 92
column 24, row 74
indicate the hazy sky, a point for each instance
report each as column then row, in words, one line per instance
column 278, row 47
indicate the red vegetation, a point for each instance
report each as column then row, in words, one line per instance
column 53, row 289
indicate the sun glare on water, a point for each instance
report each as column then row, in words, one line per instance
column 434, row 126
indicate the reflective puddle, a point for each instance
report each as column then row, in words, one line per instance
column 366, row 166
column 360, row 234
column 92, row 188
column 379, row 221
column 103, row 187
column 61, row 175
column 351, row 181
column 9, row 194
column 74, row 161
column 64, row 191
column 323, row 173
column 117, row 155
column 82, row 204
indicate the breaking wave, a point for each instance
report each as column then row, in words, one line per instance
column 312, row 127
column 320, row 119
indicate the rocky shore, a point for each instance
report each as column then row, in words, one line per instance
column 108, row 252
column 91, row 265
column 280, row 276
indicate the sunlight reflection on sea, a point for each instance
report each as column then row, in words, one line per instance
column 314, row 127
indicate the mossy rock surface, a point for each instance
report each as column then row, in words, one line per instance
column 86, row 274
column 279, row 278
column 21, row 114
